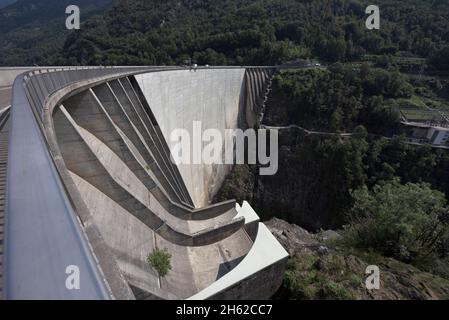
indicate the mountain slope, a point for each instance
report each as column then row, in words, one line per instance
column 260, row 32
column 232, row 32
column 33, row 30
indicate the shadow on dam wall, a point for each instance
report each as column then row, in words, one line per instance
column 113, row 153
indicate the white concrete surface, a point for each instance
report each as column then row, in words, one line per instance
column 438, row 135
column 121, row 174
column 4, row 109
column 7, row 75
column 178, row 98
column 247, row 212
column 265, row 251
column 193, row 268
column 5, row 96
column 129, row 239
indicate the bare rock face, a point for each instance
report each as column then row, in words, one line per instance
column 296, row 239
column 292, row 237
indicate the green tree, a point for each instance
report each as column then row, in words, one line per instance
column 440, row 59
column 360, row 132
column 159, row 260
column 408, row 222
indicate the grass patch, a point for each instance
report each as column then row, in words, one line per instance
column 310, row 277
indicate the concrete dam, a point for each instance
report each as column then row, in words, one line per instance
column 90, row 186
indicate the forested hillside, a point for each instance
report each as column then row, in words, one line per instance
column 231, row 32
column 256, row 32
column 33, row 31
column 318, row 173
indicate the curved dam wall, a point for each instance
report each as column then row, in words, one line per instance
column 215, row 97
column 130, row 193
column 110, row 152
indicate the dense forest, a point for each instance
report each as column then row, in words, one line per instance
column 32, row 32
column 339, row 98
column 317, row 173
column 229, row 32
column 262, row 32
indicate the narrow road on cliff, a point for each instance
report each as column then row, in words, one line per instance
column 308, row 132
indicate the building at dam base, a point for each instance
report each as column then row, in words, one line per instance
column 108, row 139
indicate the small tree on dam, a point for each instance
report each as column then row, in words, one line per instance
column 160, row 261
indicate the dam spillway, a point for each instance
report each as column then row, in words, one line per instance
column 98, row 142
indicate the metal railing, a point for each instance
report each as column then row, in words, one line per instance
column 41, row 83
